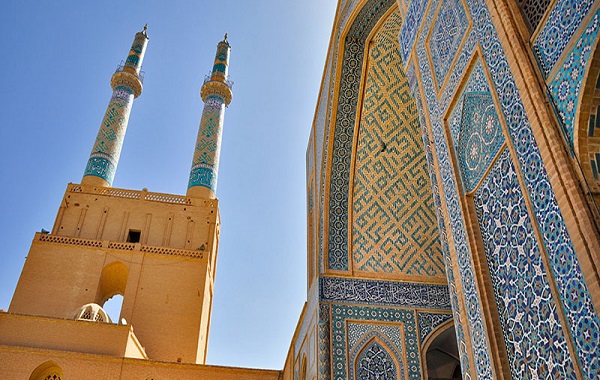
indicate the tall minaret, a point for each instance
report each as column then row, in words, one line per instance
column 216, row 94
column 126, row 83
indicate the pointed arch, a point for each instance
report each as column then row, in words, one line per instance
column 375, row 356
column 47, row 371
column 440, row 353
column 113, row 280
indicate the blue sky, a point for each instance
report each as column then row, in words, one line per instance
column 58, row 57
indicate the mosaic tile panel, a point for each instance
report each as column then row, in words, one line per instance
column 205, row 165
column 557, row 31
column 410, row 27
column 470, row 293
column 582, row 319
column 384, row 293
column 565, row 87
column 392, row 202
column 344, row 131
column 527, row 310
column 107, row 148
column 372, row 350
column 447, row 33
column 556, row 239
column 459, row 323
column 428, row 322
column 475, row 128
column 340, row 314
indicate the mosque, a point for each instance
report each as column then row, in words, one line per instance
column 453, row 182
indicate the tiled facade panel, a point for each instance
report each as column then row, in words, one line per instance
column 394, row 230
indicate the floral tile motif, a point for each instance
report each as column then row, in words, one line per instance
column 475, row 129
column 566, row 85
column 532, row 332
column 556, row 33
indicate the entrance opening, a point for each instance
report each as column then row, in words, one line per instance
column 442, row 357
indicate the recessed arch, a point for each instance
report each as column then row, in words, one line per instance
column 113, row 280
column 440, row 354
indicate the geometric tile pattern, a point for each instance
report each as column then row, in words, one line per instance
column 428, row 322
column 107, row 148
column 470, row 294
column 581, row 317
column 475, row 128
column 566, row 85
column 372, row 292
column 205, row 164
column 343, row 315
column 372, row 349
column 394, row 229
column 557, row 31
column 448, row 31
column 345, row 116
column 459, row 324
column 527, row 310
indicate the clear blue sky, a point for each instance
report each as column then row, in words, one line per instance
column 57, row 60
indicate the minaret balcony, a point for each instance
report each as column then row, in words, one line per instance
column 122, row 68
column 225, row 80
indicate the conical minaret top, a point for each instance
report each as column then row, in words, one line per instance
column 216, row 94
column 126, row 83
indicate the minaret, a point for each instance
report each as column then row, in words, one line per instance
column 126, row 83
column 216, row 94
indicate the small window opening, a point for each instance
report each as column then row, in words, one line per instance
column 113, row 306
column 134, row 236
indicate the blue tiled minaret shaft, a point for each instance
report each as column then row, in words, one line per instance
column 126, row 83
column 216, row 94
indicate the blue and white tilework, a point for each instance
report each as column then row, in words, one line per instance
column 447, row 33
column 475, row 128
column 428, row 322
column 582, row 318
column 373, row 292
column 340, row 317
column 565, row 87
column 558, row 29
column 533, row 336
column 411, row 25
column 373, row 348
column 470, row 293
column 459, row 324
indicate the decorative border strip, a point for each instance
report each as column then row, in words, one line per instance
column 48, row 238
column 339, row 182
column 133, row 194
column 405, row 294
